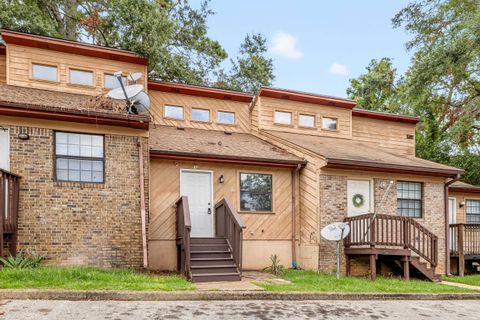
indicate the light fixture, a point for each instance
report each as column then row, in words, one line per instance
column 221, row 179
column 461, row 204
column 23, row 135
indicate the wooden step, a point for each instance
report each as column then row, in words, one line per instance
column 209, row 247
column 211, row 254
column 211, row 261
column 424, row 269
column 206, row 277
column 196, row 270
column 208, row 241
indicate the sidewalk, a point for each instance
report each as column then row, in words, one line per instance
column 461, row 285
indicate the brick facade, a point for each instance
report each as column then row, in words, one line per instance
column 79, row 223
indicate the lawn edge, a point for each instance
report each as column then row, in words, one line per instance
column 88, row 295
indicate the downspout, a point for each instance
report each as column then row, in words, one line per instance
column 142, row 202
column 447, row 224
column 294, row 209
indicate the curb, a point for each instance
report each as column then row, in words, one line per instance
column 84, row 295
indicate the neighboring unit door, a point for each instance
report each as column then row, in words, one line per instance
column 4, row 149
column 197, row 186
column 358, row 197
column 452, row 210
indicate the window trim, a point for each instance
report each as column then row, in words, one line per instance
column 53, row 65
column 111, row 74
column 328, row 129
column 283, row 124
column 201, row 121
column 69, row 81
column 308, row 115
column 421, row 198
column 55, row 179
column 239, row 185
column 227, row 124
column 467, row 214
column 171, row 118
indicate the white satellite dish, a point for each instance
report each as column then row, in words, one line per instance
column 142, row 102
column 336, row 231
column 127, row 92
column 135, row 76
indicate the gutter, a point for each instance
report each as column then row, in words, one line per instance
column 294, row 213
column 447, row 223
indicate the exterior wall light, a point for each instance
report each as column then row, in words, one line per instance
column 221, row 179
column 23, row 135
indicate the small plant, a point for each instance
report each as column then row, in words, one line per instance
column 276, row 268
column 28, row 259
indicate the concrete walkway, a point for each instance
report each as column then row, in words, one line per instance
column 247, row 284
column 460, row 285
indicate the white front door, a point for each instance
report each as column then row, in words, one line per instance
column 4, row 149
column 197, row 186
column 452, row 210
column 358, row 197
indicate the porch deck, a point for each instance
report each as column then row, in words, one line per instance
column 9, row 192
column 464, row 243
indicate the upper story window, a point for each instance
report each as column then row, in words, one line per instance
column 409, row 199
column 473, row 211
column 44, row 72
column 306, row 120
column 200, row 115
column 79, row 157
column 329, row 123
column 255, row 192
column 81, row 77
column 225, row 117
column 283, row 117
column 173, row 112
column 111, row 82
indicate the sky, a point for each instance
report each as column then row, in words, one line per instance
column 317, row 45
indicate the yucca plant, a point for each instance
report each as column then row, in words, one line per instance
column 22, row 260
column 276, row 268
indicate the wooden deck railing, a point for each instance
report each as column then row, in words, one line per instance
column 229, row 225
column 392, row 231
column 464, row 241
column 183, row 228
column 9, row 193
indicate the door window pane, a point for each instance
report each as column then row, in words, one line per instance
column 224, row 117
column 255, row 192
column 283, row 117
column 173, row 112
column 43, row 72
column 305, row 120
column 200, row 115
column 81, row 77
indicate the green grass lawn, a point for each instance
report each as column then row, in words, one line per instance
column 313, row 281
column 87, row 278
column 473, row 279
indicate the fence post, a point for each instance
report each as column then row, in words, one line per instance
column 461, row 252
column 373, row 238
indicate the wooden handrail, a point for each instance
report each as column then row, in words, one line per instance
column 229, row 225
column 183, row 229
column 464, row 238
column 9, row 200
column 391, row 230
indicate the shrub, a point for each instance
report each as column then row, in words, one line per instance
column 28, row 259
column 276, row 268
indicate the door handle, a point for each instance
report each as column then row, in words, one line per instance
column 209, row 211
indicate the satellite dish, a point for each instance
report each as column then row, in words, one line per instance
column 142, row 102
column 336, row 231
column 127, row 92
column 135, row 76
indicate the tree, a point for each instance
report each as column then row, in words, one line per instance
column 251, row 69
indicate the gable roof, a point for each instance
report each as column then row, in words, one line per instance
column 68, row 46
column 350, row 154
column 217, row 146
column 55, row 105
column 459, row 186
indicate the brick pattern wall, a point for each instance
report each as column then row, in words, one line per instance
column 333, row 208
column 78, row 223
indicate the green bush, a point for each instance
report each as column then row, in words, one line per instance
column 28, row 259
column 276, row 268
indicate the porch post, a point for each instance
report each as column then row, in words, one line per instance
column 373, row 267
column 461, row 252
column 347, row 265
column 406, row 268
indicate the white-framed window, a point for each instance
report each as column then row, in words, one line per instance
column 225, row 117
column 173, row 112
column 79, row 157
column 472, row 210
column 329, row 123
column 306, row 120
column 80, row 77
column 44, row 72
column 409, row 199
column 111, row 82
column 282, row 117
column 256, row 192
column 200, row 115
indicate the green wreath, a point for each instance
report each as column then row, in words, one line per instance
column 358, row 200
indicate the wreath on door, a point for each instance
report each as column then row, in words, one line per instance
column 358, row 200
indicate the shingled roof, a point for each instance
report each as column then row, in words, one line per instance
column 459, row 186
column 173, row 142
column 344, row 153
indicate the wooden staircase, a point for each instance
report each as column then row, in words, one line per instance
column 211, row 259
column 424, row 269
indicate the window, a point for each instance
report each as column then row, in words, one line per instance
column 200, row 115
column 329, row 123
column 43, row 72
column 173, row 112
column 111, row 82
column 473, row 211
column 255, row 192
column 224, row 117
column 409, row 199
column 283, row 117
column 79, row 157
column 305, row 120
column 81, row 77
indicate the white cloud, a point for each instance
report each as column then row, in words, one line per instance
column 338, row 69
column 285, row 45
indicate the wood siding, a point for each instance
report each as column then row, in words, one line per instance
column 388, row 135
column 267, row 107
column 462, row 197
column 19, row 69
column 3, row 69
column 160, row 99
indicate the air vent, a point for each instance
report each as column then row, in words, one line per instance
column 410, row 136
column 228, row 133
column 181, row 128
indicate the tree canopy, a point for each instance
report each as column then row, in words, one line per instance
column 172, row 33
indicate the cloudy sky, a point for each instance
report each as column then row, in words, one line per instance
column 317, row 45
